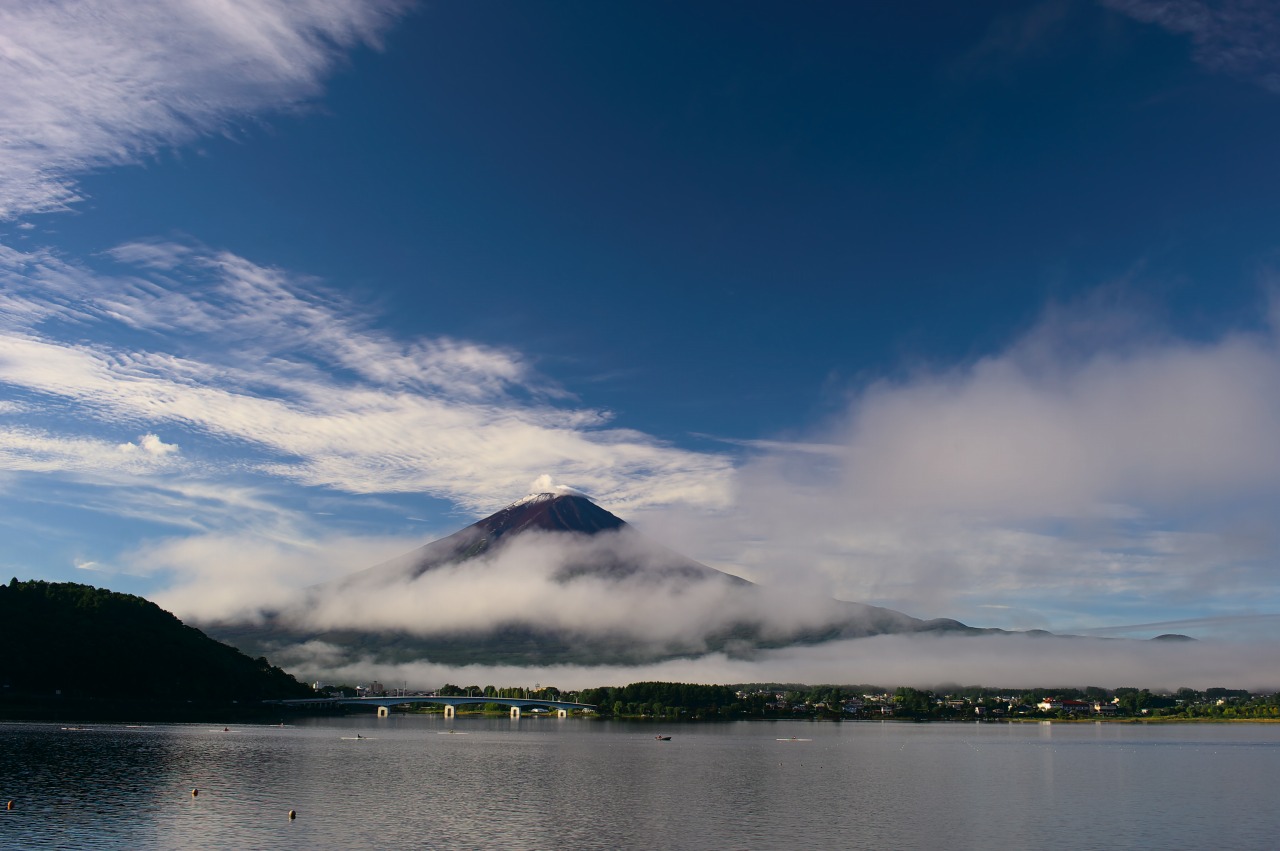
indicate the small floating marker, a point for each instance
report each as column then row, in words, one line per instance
column 10, row 806
column 293, row 814
column 195, row 793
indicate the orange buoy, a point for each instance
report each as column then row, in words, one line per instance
column 293, row 814
column 195, row 792
column 10, row 806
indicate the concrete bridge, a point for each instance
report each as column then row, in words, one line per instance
column 450, row 703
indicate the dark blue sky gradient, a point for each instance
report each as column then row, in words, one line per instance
column 719, row 219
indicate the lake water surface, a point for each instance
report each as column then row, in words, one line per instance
column 543, row 783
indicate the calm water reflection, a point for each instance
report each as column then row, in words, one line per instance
column 549, row 783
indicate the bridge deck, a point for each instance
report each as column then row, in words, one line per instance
column 445, row 700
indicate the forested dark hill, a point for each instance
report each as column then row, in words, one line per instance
column 81, row 643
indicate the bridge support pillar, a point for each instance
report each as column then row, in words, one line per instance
column 515, row 713
column 448, row 711
column 562, row 713
column 383, row 711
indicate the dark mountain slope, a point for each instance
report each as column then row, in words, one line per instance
column 89, row 643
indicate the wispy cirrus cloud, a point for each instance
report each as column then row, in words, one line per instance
column 35, row 450
column 1240, row 37
column 1015, row 35
column 271, row 373
column 87, row 84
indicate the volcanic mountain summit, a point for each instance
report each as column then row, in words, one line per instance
column 550, row 579
column 551, row 513
column 567, row 517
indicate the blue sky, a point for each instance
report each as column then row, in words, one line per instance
column 964, row 309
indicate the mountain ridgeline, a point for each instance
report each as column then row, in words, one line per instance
column 84, row 645
column 595, row 592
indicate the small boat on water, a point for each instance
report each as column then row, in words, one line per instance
column 663, row 738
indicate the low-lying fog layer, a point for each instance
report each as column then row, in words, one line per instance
column 921, row 660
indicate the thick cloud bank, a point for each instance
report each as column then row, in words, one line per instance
column 539, row 582
column 613, row 586
column 1091, row 472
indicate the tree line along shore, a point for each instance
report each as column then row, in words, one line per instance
column 670, row 701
